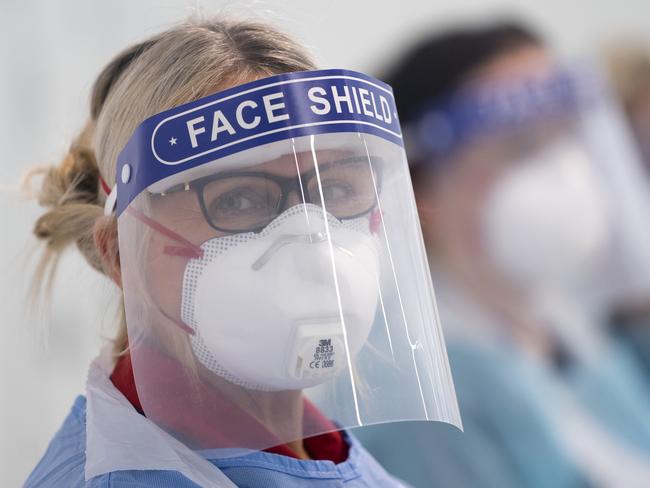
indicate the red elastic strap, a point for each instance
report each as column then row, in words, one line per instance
column 105, row 187
column 189, row 249
column 179, row 323
column 375, row 221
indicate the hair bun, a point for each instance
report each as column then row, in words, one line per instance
column 70, row 192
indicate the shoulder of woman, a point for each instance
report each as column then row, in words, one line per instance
column 141, row 479
column 64, row 460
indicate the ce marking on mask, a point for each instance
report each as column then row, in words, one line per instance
column 323, row 355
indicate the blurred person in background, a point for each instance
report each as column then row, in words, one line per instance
column 530, row 208
column 628, row 67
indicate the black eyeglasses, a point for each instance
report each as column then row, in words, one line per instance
column 247, row 201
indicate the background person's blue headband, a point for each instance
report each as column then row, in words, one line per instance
column 446, row 125
column 249, row 115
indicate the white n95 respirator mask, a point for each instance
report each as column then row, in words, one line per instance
column 545, row 221
column 285, row 308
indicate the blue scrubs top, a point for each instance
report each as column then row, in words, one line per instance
column 507, row 403
column 508, row 441
column 64, row 461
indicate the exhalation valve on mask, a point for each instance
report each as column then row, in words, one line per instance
column 285, row 308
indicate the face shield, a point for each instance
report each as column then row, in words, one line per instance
column 275, row 281
column 539, row 189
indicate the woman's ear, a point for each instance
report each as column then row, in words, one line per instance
column 105, row 236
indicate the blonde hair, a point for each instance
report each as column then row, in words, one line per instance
column 176, row 66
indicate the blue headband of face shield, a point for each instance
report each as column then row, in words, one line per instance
column 446, row 125
column 279, row 107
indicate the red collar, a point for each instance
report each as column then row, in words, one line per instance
column 330, row 446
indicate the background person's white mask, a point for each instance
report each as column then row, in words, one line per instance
column 266, row 309
column 545, row 220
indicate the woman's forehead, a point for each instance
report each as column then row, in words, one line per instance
column 299, row 162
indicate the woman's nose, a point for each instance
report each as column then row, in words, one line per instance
column 294, row 198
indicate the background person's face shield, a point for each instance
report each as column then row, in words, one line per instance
column 538, row 189
column 279, row 291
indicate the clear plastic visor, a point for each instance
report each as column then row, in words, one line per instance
column 282, row 293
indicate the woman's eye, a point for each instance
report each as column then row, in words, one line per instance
column 336, row 191
column 238, row 201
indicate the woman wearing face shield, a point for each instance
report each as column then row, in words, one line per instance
column 251, row 210
column 520, row 221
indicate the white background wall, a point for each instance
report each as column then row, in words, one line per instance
column 50, row 52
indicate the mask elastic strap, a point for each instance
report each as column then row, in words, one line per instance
column 180, row 324
column 187, row 249
column 105, row 187
column 111, row 197
column 375, row 221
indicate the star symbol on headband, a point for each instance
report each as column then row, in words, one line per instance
column 172, row 141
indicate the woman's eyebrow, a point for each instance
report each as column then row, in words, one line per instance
column 291, row 169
